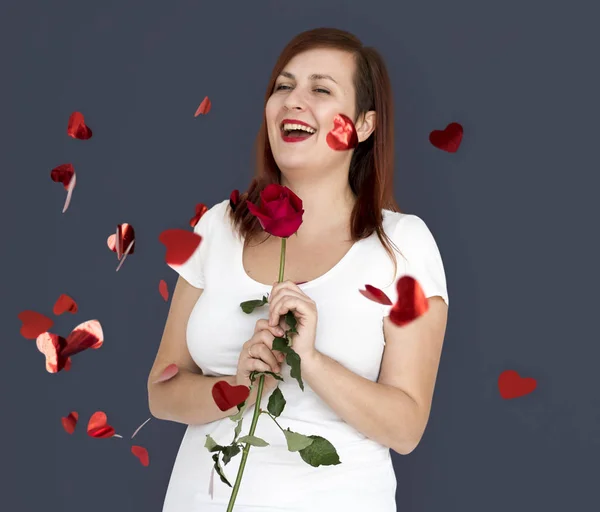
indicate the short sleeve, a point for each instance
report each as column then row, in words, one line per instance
column 193, row 269
column 422, row 259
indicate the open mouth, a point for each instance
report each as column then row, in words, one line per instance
column 291, row 132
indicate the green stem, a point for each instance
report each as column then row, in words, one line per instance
column 261, row 382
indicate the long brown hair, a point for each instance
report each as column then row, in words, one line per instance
column 372, row 165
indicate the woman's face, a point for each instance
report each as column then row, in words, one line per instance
column 313, row 88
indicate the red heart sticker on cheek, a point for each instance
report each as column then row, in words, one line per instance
column 98, row 426
column 343, row 136
column 227, row 396
column 411, row 303
column 512, row 385
column 180, row 243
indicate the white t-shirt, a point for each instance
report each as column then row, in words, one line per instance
column 350, row 330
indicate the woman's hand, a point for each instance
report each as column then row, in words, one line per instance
column 287, row 296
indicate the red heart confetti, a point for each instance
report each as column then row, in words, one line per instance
column 69, row 422
column 163, row 290
column 512, row 385
column 227, row 396
column 376, row 295
column 180, row 244
column 124, row 238
column 140, row 427
column 98, row 426
column 58, row 350
column 234, row 199
column 142, row 454
column 448, row 139
column 77, row 127
column 168, row 373
column 65, row 174
column 411, row 303
column 204, row 107
column 34, row 324
column 63, row 304
column 343, row 136
column 201, row 209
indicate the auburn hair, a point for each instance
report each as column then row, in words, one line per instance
column 372, row 164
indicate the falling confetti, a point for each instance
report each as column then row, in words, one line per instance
column 180, row 244
column 204, row 107
column 234, row 199
column 343, row 136
column 64, row 304
column 201, row 209
column 376, row 295
column 140, row 427
column 69, row 422
column 512, row 385
column 411, row 302
column 142, row 454
column 65, row 174
column 77, row 127
column 98, row 426
column 123, row 238
column 34, row 324
column 168, row 373
column 448, row 139
column 227, row 396
column 163, row 290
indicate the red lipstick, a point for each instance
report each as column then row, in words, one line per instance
column 295, row 139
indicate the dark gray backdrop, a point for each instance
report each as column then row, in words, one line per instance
column 511, row 212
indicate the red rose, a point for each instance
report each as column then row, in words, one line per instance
column 280, row 212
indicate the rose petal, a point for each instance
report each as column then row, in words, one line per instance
column 163, row 290
column 411, row 303
column 69, row 422
column 376, row 295
column 34, row 324
column 343, row 136
column 201, row 209
column 168, row 373
column 63, row 304
column 512, row 385
column 142, row 454
column 448, row 139
column 227, row 396
column 86, row 335
column 204, row 107
column 180, row 244
column 77, row 127
column 98, row 426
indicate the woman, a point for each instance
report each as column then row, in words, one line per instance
column 369, row 387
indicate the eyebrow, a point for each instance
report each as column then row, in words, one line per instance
column 314, row 76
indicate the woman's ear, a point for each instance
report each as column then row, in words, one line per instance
column 365, row 125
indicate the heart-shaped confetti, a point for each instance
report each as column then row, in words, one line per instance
column 227, row 396
column 163, row 290
column 411, row 303
column 343, row 136
column 34, row 324
column 77, row 127
column 180, row 244
column 201, row 209
column 234, row 199
column 168, row 373
column 69, row 422
column 204, row 107
column 142, row 454
column 63, row 304
column 65, row 174
column 376, row 295
column 448, row 139
column 512, row 385
column 98, row 426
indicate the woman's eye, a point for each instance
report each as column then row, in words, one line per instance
column 282, row 86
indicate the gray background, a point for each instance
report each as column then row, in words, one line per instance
column 511, row 212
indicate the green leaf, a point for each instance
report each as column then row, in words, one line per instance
column 276, row 403
column 281, row 344
column 290, row 319
column 320, row 453
column 229, row 452
column 253, row 440
column 212, row 445
column 219, row 470
column 295, row 441
column 293, row 359
column 254, row 374
column 250, row 305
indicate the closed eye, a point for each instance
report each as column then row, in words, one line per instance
column 282, row 86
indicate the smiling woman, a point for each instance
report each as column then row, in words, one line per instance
column 350, row 233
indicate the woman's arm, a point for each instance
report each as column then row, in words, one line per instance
column 187, row 397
